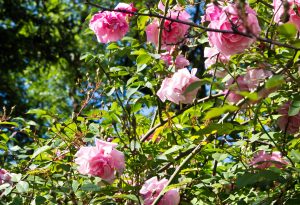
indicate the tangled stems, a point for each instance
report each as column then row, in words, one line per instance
column 234, row 31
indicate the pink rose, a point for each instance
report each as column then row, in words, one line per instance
column 174, row 88
column 151, row 189
column 213, row 56
column 180, row 61
column 287, row 123
column 263, row 160
column 212, row 12
column 255, row 76
column 228, row 43
column 126, row 7
column 4, row 177
column 235, row 88
column 293, row 12
column 109, row 26
column 102, row 160
column 173, row 32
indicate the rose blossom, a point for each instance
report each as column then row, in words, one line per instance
column 230, row 43
column 173, row 32
column 212, row 55
column 287, row 123
column 102, row 160
column 234, row 89
column 263, row 160
column 151, row 189
column 109, row 26
column 174, row 88
column 255, row 76
column 4, row 177
column 126, row 7
column 180, row 61
column 293, row 11
column 212, row 12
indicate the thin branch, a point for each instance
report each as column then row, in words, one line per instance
column 249, row 35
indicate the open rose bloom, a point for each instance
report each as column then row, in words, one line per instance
column 292, row 13
column 110, row 26
column 230, row 43
column 173, row 32
column 174, row 88
column 290, row 124
column 263, row 160
column 5, row 177
column 102, row 160
column 151, row 189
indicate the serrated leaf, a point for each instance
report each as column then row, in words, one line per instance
column 274, row 81
column 143, row 59
column 296, row 155
column 294, row 107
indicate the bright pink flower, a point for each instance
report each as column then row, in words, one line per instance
column 230, row 44
column 4, row 177
column 102, row 160
column 290, row 124
column 255, row 76
column 263, row 160
column 212, row 12
column 212, row 55
column 173, row 32
column 293, row 11
column 109, row 26
column 180, row 61
column 151, row 189
column 174, row 88
column 126, row 7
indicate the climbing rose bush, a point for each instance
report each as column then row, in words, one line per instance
column 151, row 189
column 102, row 160
column 263, row 160
column 230, row 43
column 174, row 88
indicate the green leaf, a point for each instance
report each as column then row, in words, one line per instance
column 38, row 112
column 40, row 150
column 193, row 86
column 22, row 186
column 39, row 200
column 295, row 107
column 17, row 201
column 90, row 187
column 288, row 30
column 131, row 91
column 252, row 178
column 9, row 123
column 142, row 61
column 142, row 21
column 216, row 112
column 296, row 155
column 173, row 149
column 219, row 156
column 75, row 185
column 275, row 81
column 126, row 196
column 112, row 46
